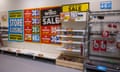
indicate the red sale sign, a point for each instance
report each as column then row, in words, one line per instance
column 103, row 46
column 32, row 25
column 28, row 24
column 96, row 45
column 118, row 45
column 99, row 45
column 105, row 34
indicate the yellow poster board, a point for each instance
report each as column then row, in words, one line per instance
column 84, row 7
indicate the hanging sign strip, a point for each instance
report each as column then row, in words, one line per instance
column 81, row 7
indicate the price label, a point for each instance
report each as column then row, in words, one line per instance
column 36, row 37
column 62, row 15
column 65, row 8
column 84, row 7
column 102, row 68
column 70, row 41
column 9, row 50
column 34, row 21
column 66, row 18
column 33, row 12
column 96, row 45
column 18, row 51
column 118, row 45
column 69, row 29
column 103, row 45
column 40, row 55
column 105, row 34
column 106, row 5
column 35, row 29
column 70, row 35
column 99, row 45
column 69, row 49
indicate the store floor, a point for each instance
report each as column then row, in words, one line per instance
column 16, row 64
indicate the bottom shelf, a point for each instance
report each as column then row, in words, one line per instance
column 30, row 52
column 70, row 61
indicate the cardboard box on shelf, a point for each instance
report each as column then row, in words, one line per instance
column 70, row 61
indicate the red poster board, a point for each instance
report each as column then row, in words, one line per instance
column 28, row 25
column 32, row 25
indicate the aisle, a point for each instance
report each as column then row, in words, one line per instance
column 15, row 64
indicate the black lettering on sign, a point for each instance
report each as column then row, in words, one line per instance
column 75, row 7
column 19, row 38
column 12, row 38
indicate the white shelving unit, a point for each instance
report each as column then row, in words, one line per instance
column 4, row 31
column 73, row 36
column 73, row 33
column 104, row 41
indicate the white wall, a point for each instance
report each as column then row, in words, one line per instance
column 21, row 4
column 3, row 5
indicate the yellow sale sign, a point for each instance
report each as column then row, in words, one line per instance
column 82, row 7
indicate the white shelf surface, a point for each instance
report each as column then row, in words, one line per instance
column 70, row 30
column 72, row 50
column 4, row 38
column 72, row 42
column 31, row 52
column 4, row 34
column 65, row 21
column 4, row 30
column 70, row 36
